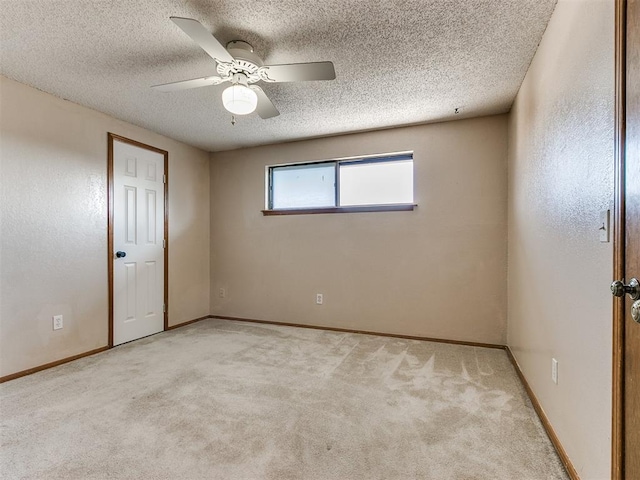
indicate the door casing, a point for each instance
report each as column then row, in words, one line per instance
column 618, row 419
column 111, row 137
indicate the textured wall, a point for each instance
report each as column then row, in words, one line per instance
column 438, row 271
column 560, row 178
column 53, row 238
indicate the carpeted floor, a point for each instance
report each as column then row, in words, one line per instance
column 232, row 400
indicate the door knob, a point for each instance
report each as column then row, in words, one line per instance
column 635, row 311
column 120, row 254
column 618, row 289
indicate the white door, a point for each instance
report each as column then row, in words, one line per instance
column 138, row 235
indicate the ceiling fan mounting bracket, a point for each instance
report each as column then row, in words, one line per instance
column 240, row 45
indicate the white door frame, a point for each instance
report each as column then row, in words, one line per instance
column 110, row 182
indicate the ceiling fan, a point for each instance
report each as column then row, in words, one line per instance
column 239, row 65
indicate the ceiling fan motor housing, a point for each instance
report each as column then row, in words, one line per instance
column 245, row 62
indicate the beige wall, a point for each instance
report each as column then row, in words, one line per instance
column 439, row 271
column 560, row 178
column 53, row 237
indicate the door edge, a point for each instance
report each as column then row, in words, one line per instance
column 617, row 400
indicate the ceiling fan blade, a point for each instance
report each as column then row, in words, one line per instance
column 298, row 72
column 204, row 38
column 186, row 84
column 265, row 108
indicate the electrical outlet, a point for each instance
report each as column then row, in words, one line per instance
column 57, row 322
column 554, row 370
column 319, row 299
column 222, row 293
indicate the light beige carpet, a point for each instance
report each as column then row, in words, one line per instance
column 231, row 400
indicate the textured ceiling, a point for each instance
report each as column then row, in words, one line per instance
column 398, row 62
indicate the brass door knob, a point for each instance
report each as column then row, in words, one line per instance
column 635, row 311
column 618, row 289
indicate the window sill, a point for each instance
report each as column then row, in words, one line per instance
column 398, row 207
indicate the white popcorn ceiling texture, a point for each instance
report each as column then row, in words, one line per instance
column 398, row 62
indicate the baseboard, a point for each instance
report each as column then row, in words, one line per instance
column 189, row 322
column 562, row 453
column 46, row 366
column 364, row 332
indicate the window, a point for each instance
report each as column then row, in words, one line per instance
column 365, row 184
column 303, row 186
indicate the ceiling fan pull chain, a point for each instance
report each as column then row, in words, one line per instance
column 233, row 119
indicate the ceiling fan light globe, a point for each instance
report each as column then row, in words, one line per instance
column 239, row 100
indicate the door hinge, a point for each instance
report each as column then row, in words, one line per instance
column 164, row 243
column 164, row 308
column 164, row 178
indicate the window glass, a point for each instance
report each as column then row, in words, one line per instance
column 303, row 186
column 376, row 183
